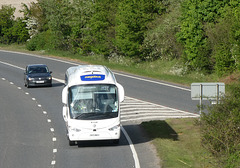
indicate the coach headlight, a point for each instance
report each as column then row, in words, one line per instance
column 74, row 129
column 114, row 128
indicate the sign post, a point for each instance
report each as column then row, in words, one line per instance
column 207, row 91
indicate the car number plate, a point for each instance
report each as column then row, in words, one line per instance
column 39, row 81
column 94, row 134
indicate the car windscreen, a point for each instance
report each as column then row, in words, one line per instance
column 37, row 69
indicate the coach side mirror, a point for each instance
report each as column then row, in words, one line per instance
column 64, row 95
column 121, row 92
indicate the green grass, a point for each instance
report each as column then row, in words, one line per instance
column 178, row 143
column 164, row 70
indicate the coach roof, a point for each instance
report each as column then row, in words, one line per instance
column 85, row 74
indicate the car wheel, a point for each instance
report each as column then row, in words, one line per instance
column 27, row 85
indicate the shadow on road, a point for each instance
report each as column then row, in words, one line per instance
column 137, row 135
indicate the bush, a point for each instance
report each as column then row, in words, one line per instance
column 220, row 129
column 42, row 41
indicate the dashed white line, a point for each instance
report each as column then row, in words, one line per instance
column 44, row 112
column 53, row 162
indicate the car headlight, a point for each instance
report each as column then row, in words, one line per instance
column 30, row 78
column 114, row 128
column 49, row 78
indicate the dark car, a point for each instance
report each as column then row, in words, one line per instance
column 37, row 75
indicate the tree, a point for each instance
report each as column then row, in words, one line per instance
column 6, row 21
column 131, row 24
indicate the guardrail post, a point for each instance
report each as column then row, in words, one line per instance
column 201, row 94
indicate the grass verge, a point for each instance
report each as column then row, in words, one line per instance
column 178, row 143
column 164, row 70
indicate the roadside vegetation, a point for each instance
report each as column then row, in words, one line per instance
column 211, row 141
column 180, row 41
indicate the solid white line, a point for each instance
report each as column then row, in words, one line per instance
column 135, row 156
column 5, row 63
column 138, row 78
column 137, row 164
column 151, row 81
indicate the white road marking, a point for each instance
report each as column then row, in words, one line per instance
column 51, row 129
column 151, row 81
column 137, row 164
column 133, row 77
column 135, row 156
column 53, row 162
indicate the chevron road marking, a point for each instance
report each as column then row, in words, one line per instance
column 135, row 110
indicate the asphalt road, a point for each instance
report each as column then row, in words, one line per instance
column 32, row 131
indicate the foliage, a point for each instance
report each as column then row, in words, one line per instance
column 102, row 26
column 192, row 37
column 203, row 34
column 11, row 30
column 220, row 129
column 80, row 40
column 160, row 41
column 42, row 41
column 210, row 48
column 131, row 24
